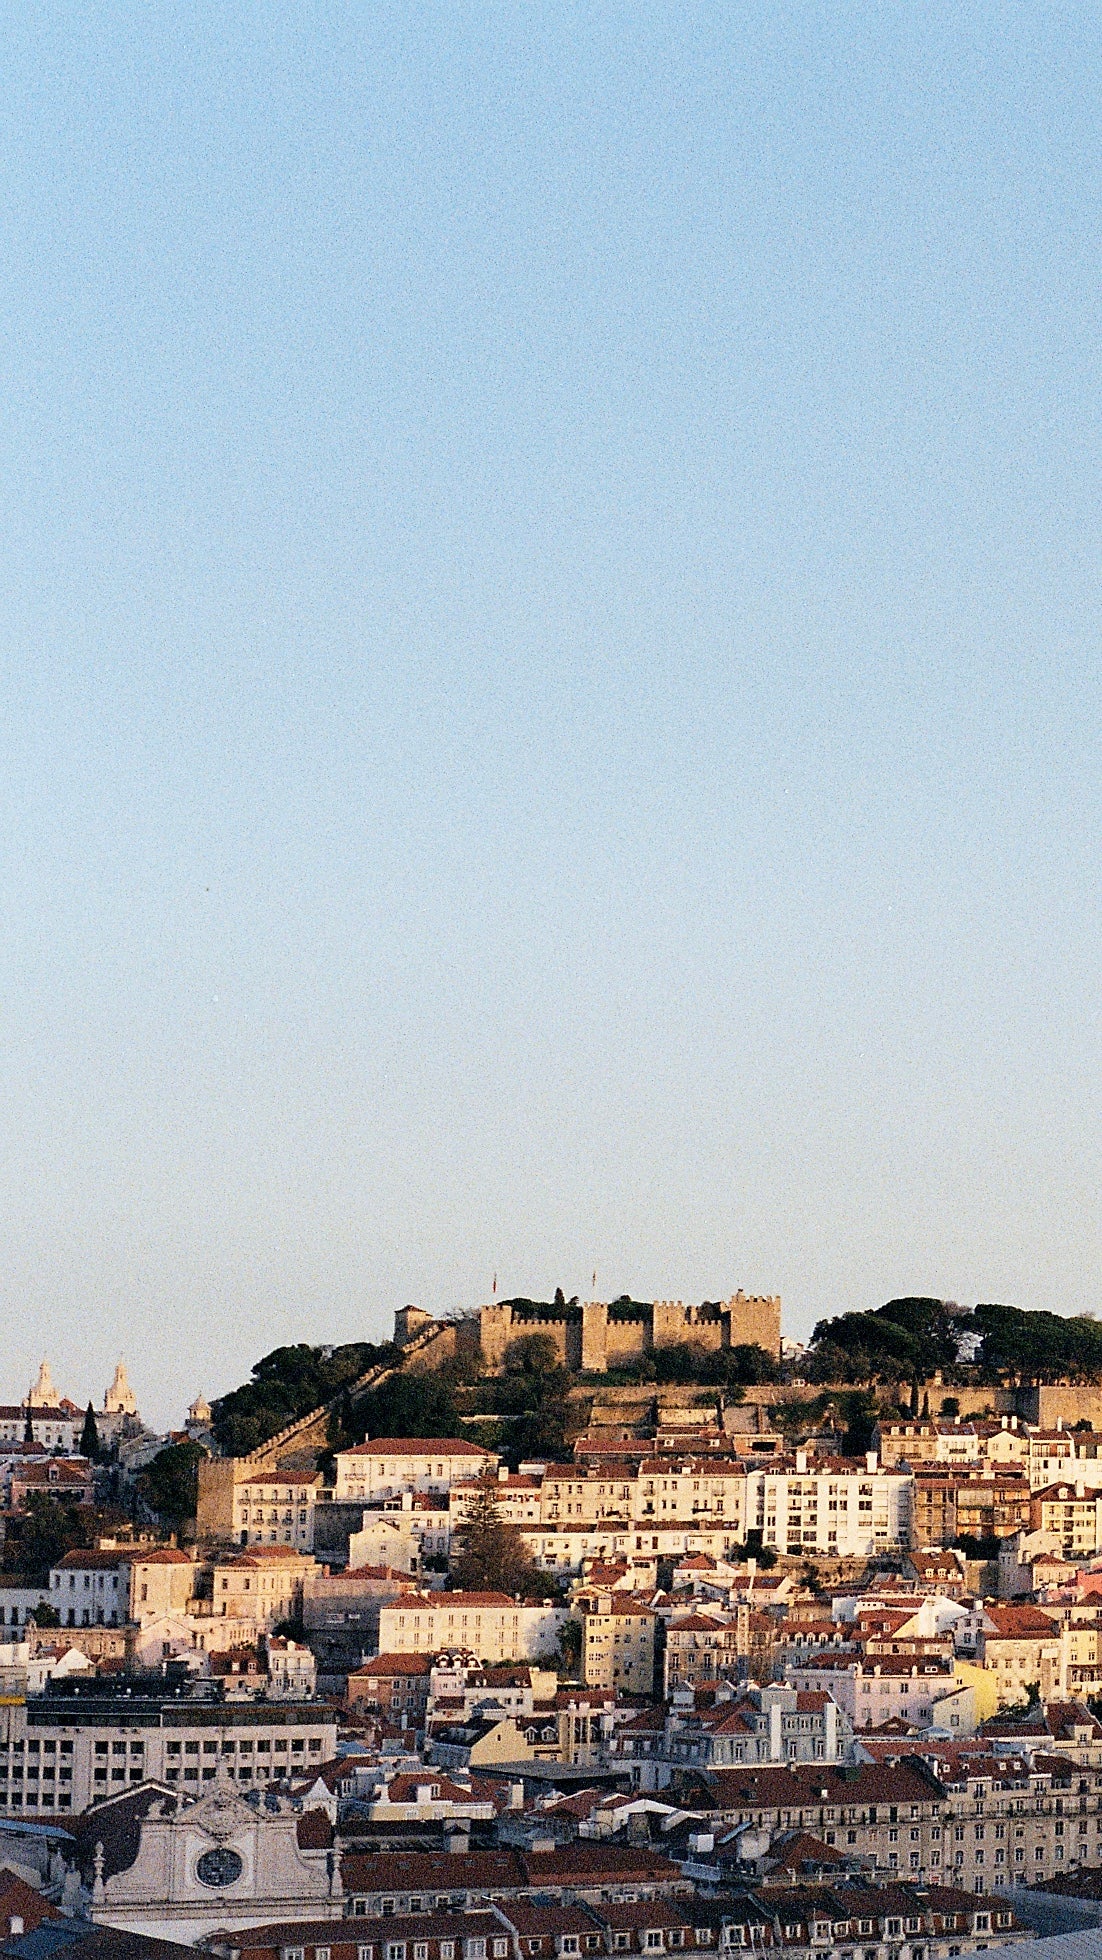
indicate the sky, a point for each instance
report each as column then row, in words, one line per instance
column 549, row 666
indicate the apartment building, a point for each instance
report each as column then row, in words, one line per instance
column 1055, row 1454
column 701, row 1648
column 934, row 1922
column 374, row 1471
column 489, row 1624
column 1072, row 1513
column 829, row 1507
column 947, row 1443
column 261, row 1586
column 54, row 1427
column 957, row 1503
column 890, row 1814
column 1012, row 1821
column 84, row 1740
column 274, row 1507
column 605, row 1492
column 619, row 1640
column 519, row 1499
column 701, row 1492
column 992, row 1506
column 774, row 1724
column 91, row 1589
column 1020, row 1646
column 397, row 1685
column 1080, row 1666
column 881, row 1688
column 933, row 1507
column 983, row 1821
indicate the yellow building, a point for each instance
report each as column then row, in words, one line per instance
column 488, row 1624
column 618, row 1644
column 263, row 1585
column 1020, row 1646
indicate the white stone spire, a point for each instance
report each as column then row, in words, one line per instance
column 120, row 1398
column 44, row 1395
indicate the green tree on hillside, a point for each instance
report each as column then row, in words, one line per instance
column 89, row 1436
column 904, row 1340
column 48, row 1530
column 170, row 1484
column 493, row 1556
column 410, row 1405
column 1039, row 1346
column 288, row 1383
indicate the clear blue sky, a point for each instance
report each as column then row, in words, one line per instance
column 549, row 598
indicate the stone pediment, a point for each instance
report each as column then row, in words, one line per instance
column 221, row 1813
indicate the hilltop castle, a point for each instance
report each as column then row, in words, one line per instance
column 597, row 1335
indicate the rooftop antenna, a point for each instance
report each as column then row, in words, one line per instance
column 495, row 1286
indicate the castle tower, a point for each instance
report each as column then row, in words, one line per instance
column 119, row 1399
column 44, row 1395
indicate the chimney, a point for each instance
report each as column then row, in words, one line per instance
column 801, row 1463
column 15, row 1925
column 871, row 1459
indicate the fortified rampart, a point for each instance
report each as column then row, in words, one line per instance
column 595, row 1335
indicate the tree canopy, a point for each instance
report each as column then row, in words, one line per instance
column 1039, row 1346
column 89, row 1436
column 910, row 1338
column 905, row 1338
column 286, row 1384
column 493, row 1556
column 410, row 1405
column 47, row 1531
column 170, row 1484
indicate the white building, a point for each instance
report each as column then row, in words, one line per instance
column 276, row 1507
column 887, row 1687
column 292, row 1670
column 697, row 1492
column 56, row 1428
column 260, row 1587
column 393, row 1464
column 402, row 1536
column 69, row 1753
column 489, row 1624
column 218, row 1865
column 829, row 1507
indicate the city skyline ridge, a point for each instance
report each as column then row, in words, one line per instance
column 155, row 1408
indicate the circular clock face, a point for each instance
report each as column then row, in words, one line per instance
column 221, row 1866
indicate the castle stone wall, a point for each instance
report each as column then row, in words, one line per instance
column 594, row 1340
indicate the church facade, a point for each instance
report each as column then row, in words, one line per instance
column 220, row 1864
